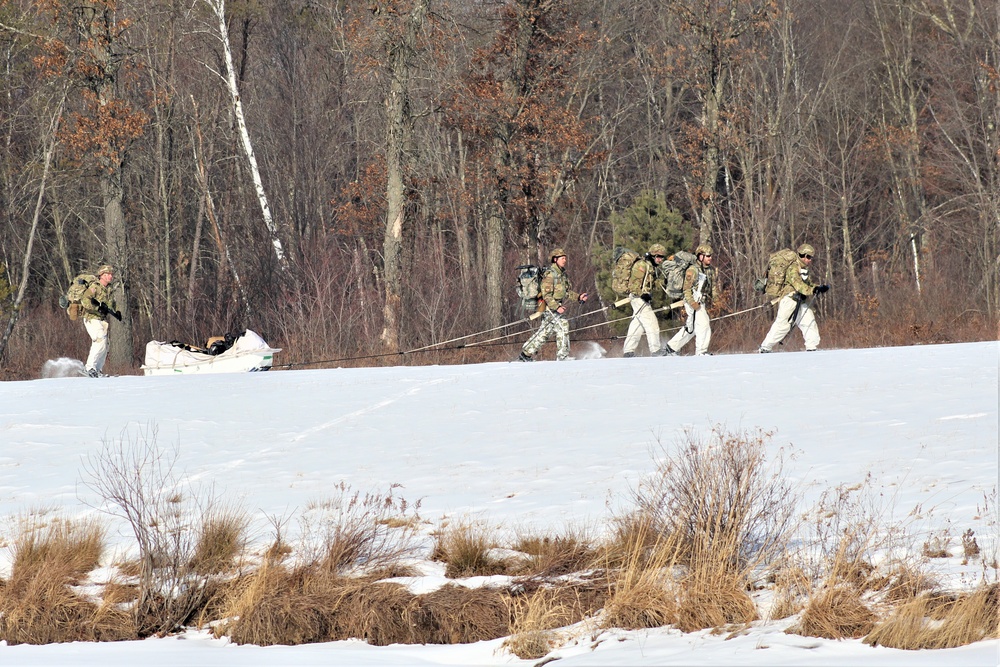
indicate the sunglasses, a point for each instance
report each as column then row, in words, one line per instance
column 659, row 256
column 806, row 256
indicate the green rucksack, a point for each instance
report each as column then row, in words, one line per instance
column 777, row 265
column 71, row 300
column 528, row 285
column 621, row 269
column 673, row 269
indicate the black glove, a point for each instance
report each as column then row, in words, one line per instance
column 648, row 298
column 117, row 314
column 820, row 289
column 102, row 308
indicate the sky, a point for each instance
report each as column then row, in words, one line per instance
column 545, row 446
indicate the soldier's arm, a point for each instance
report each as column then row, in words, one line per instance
column 690, row 279
column 793, row 278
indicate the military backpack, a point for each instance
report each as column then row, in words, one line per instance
column 673, row 269
column 621, row 269
column 528, row 285
column 71, row 299
column 777, row 266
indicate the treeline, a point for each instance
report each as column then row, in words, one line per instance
column 349, row 177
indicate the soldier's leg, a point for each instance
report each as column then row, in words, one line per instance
column 809, row 328
column 98, row 332
column 781, row 325
column 635, row 326
column 561, row 327
column 652, row 327
column 702, row 332
column 686, row 332
column 535, row 342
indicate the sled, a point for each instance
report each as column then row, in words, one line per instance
column 248, row 353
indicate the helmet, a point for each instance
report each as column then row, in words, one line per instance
column 556, row 252
column 806, row 249
column 703, row 249
column 105, row 268
column 657, row 249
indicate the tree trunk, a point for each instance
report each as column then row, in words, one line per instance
column 219, row 9
column 398, row 140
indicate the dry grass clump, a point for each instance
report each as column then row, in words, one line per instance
column 465, row 549
column 221, row 539
column 836, row 613
column 933, row 621
column 536, row 616
column 712, row 513
column 37, row 605
column 554, row 556
column 353, row 531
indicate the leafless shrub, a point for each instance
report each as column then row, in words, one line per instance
column 970, row 548
column 136, row 480
column 37, row 603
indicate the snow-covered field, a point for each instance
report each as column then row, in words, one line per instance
column 545, row 446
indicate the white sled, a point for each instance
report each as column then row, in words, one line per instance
column 249, row 353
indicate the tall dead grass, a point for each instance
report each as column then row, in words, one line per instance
column 37, row 603
column 933, row 621
column 712, row 513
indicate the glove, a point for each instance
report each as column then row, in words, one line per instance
column 648, row 298
column 820, row 289
column 117, row 314
column 102, row 308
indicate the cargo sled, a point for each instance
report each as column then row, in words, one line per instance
column 240, row 353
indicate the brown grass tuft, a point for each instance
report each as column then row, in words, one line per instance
column 465, row 550
column 221, row 539
column 835, row 613
column 37, row 605
column 554, row 556
column 935, row 621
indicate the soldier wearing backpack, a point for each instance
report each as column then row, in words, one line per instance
column 96, row 304
column 794, row 300
column 556, row 291
column 699, row 290
column 640, row 297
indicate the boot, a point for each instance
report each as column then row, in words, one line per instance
column 524, row 357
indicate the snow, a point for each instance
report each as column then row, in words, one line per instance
column 525, row 447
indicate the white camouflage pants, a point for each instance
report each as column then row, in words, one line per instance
column 698, row 326
column 805, row 320
column 643, row 320
column 553, row 324
column 98, row 331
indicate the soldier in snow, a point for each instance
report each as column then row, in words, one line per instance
column 794, row 304
column 699, row 290
column 556, row 291
column 640, row 297
column 97, row 303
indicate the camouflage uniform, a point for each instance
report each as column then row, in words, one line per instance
column 556, row 289
column 96, row 322
column 699, row 291
column 640, row 285
column 795, row 295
